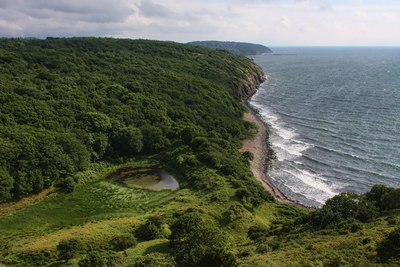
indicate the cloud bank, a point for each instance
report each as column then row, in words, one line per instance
column 270, row 22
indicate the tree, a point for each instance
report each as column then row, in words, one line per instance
column 153, row 139
column 97, row 121
column 6, row 184
column 376, row 194
column 205, row 246
column 128, row 141
column 70, row 249
column 391, row 200
column 183, row 227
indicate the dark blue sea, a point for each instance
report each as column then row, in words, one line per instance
column 334, row 119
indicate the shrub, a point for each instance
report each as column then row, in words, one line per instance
column 183, row 227
column 203, row 256
column 248, row 155
column 392, row 220
column 264, row 248
column 258, row 233
column 70, row 248
column 122, row 242
column 154, row 260
column 38, row 258
column 68, row 184
column 151, row 229
column 389, row 248
column 101, row 259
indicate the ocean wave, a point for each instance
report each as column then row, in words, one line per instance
column 315, row 183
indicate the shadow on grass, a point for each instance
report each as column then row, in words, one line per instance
column 162, row 248
column 57, row 264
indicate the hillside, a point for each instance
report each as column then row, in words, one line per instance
column 244, row 49
column 82, row 119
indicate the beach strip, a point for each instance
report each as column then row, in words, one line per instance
column 261, row 150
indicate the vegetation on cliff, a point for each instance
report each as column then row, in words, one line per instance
column 244, row 49
column 76, row 112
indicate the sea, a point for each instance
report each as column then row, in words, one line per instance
column 333, row 115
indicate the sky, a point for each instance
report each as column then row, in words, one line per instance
column 267, row 22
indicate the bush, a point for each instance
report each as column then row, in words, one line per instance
column 154, row 260
column 183, row 227
column 392, row 220
column 389, row 248
column 264, row 248
column 203, row 256
column 68, row 184
column 122, row 242
column 258, row 233
column 101, row 259
column 151, row 229
column 70, row 249
column 38, row 258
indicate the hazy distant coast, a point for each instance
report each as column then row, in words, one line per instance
column 244, row 49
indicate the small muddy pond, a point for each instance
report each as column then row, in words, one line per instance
column 147, row 177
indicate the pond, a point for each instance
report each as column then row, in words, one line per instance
column 152, row 178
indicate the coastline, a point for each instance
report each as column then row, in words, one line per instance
column 263, row 155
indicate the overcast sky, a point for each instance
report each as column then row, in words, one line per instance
column 268, row 22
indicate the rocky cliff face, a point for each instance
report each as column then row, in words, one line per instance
column 249, row 87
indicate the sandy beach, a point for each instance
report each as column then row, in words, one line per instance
column 262, row 155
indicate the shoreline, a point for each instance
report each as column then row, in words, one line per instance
column 263, row 155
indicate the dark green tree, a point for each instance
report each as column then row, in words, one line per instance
column 183, row 227
column 6, row 184
column 128, row 141
column 375, row 195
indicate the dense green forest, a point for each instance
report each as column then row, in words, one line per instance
column 75, row 112
column 68, row 102
column 244, row 49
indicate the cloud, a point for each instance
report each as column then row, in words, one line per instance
column 270, row 22
column 284, row 21
column 149, row 9
column 324, row 5
column 98, row 11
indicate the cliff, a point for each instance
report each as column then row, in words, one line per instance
column 250, row 86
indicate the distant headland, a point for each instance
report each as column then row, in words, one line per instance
column 244, row 49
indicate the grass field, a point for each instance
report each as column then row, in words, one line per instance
column 102, row 208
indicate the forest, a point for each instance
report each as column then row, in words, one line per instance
column 75, row 111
